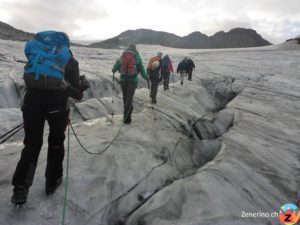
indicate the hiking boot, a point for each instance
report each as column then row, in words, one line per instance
column 154, row 101
column 168, row 88
column 51, row 186
column 181, row 82
column 127, row 121
column 20, row 195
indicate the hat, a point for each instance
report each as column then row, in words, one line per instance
column 132, row 47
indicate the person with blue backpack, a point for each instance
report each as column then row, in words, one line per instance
column 51, row 75
column 166, row 70
column 129, row 66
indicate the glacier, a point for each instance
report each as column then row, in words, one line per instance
column 210, row 150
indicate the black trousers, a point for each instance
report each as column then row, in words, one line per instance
column 154, row 87
column 38, row 107
column 128, row 89
column 190, row 74
column 166, row 79
column 155, row 79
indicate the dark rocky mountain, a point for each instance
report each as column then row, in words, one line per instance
column 235, row 38
column 140, row 36
column 296, row 39
column 8, row 32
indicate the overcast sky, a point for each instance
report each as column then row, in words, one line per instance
column 275, row 20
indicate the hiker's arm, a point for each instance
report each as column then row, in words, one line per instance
column 141, row 67
column 74, row 90
column 160, row 70
column 72, row 73
column 117, row 65
column 171, row 66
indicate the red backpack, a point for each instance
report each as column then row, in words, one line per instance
column 128, row 63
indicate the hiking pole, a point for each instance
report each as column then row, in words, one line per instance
column 154, row 118
column 112, row 98
column 153, row 111
column 16, row 129
column 173, row 82
column 20, row 125
column 148, row 85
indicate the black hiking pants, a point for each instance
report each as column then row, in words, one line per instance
column 155, row 79
column 128, row 89
column 190, row 74
column 38, row 107
column 166, row 80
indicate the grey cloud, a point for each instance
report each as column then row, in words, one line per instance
column 274, row 19
column 287, row 7
column 38, row 15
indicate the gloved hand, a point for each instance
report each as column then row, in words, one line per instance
column 84, row 84
column 74, row 93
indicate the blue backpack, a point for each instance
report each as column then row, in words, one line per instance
column 47, row 53
column 166, row 64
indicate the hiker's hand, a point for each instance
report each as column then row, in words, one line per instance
column 84, row 84
column 116, row 79
column 74, row 93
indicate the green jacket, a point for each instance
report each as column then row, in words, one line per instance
column 139, row 65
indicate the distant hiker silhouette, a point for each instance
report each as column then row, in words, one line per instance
column 190, row 67
column 129, row 66
column 48, row 88
column 167, row 69
column 154, row 72
column 182, row 70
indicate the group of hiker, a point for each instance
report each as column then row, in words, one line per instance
column 52, row 75
column 159, row 68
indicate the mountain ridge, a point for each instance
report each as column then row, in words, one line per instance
column 235, row 38
column 8, row 32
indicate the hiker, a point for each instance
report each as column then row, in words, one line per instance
column 167, row 68
column 154, row 72
column 46, row 99
column 190, row 68
column 182, row 69
column 129, row 66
